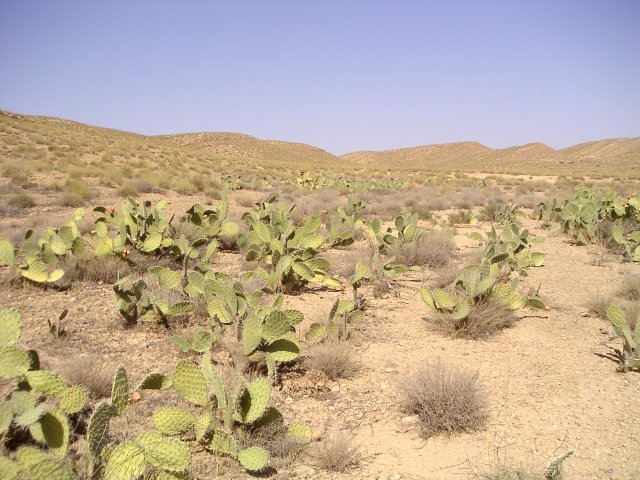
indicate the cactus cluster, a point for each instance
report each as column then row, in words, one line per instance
column 581, row 215
column 288, row 255
column 630, row 353
column 39, row 261
column 40, row 404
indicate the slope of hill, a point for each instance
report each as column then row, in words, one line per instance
column 45, row 144
column 592, row 158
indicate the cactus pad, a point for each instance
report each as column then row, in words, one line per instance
column 47, row 383
column 163, row 452
column 251, row 334
column 253, row 459
column 275, row 325
column 254, row 401
column 203, row 340
column 7, row 256
column 300, row 432
column 126, row 462
column 21, row 401
column 120, row 392
column 189, row 382
column 50, row 469
column 98, row 430
column 53, row 430
column 172, row 420
column 6, row 416
column 283, row 350
column 8, row 468
column 30, row 416
column 74, row 400
column 155, row 381
column 10, row 327
column 223, row 442
column 315, row 332
column 14, row 362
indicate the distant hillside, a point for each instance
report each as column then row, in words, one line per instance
column 247, row 147
column 45, row 144
column 618, row 156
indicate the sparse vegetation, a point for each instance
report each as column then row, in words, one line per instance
column 445, row 398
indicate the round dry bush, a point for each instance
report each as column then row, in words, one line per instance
column 334, row 359
column 484, row 320
column 446, row 399
column 432, row 250
column 337, row 452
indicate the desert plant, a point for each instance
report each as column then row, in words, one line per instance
column 25, row 410
column 446, row 399
column 333, row 358
column 630, row 353
column 337, row 452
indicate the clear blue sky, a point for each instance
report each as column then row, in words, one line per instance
column 342, row 75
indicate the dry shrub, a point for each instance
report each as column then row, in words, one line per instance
column 485, row 319
column 337, row 452
column 460, row 217
column 102, row 269
column 334, row 359
column 91, row 373
column 344, row 263
column 75, row 193
column 445, row 398
column 446, row 276
column 21, row 200
column 432, row 250
column 598, row 304
column 630, row 288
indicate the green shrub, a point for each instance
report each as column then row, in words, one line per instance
column 21, row 200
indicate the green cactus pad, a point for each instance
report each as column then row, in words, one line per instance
column 251, row 334
column 189, row 382
column 98, row 430
column 52, row 430
column 8, row 468
column 7, row 256
column 254, row 401
column 10, row 327
column 214, row 380
column 443, row 299
column 203, row 340
column 155, row 381
column 50, row 469
column 202, row 424
column 172, row 420
column 120, row 392
column 618, row 319
column 315, row 332
column 294, row 317
column 508, row 297
column 534, row 303
column 223, row 442
column 30, row 416
column 283, row 350
column 14, row 362
column 74, row 400
column 167, row 278
column 300, row 432
column 181, row 308
column 253, row 459
column 21, row 401
column 166, row 453
column 151, row 243
column 126, row 462
column 275, row 325
column 29, row 456
column 47, row 383
column 6, row 416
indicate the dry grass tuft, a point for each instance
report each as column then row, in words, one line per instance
column 447, row 399
column 90, row 373
column 484, row 320
column 433, row 250
column 337, row 452
column 334, row 359
column 630, row 288
column 21, row 200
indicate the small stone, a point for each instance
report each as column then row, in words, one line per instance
column 335, row 389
